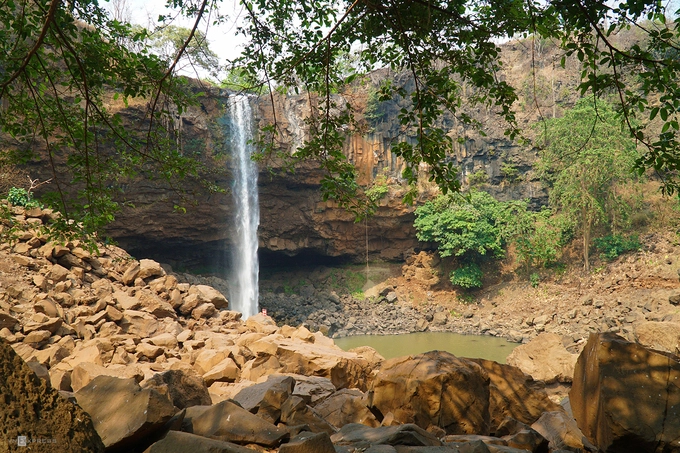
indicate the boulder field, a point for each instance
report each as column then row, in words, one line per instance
column 101, row 352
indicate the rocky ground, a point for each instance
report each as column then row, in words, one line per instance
column 617, row 296
column 101, row 352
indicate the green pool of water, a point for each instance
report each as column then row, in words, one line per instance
column 474, row 346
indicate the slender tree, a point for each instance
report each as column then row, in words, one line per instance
column 586, row 157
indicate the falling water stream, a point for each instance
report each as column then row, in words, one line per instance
column 244, row 265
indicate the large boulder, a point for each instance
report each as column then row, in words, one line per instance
column 313, row 389
column 625, row 397
column 307, row 442
column 179, row 442
column 124, row 414
column 545, row 359
column 347, row 406
column 434, row 389
column 266, row 398
column 514, row 394
column 562, row 433
column 183, row 388
column 344, row 369
column 231, row 423
column 662, row 336
column 294, row 412
column 31, row 409
column 361, row 436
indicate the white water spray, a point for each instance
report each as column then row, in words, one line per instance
column 244, row 265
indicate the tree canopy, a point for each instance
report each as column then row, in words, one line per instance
column 58, row 58
column 586, row 158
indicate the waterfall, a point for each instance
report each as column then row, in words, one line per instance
column 243, row 295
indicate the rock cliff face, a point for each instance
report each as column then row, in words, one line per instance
column 295, row 222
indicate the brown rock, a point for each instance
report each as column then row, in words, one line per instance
column 211, row 295
column 113, row 314
column 189, row 303
column 408, row 434
column 346, row 406
column 47, row 307
column 149, row 268
column 225, row 371
column 149, row 351
column 207, row 359
column 626, row 396
column 545, row 359
column 183, row 388
column 295, row 412
column 662, row 336
column 130, row 273
column 157, row 307
column 313, row 389
column 261, row 324
column 126, row 302
column 124, row 414
column 85, row 372
column 7, row 321
column 514, row 394
column 31, row 408
column 52, row 325
column 40, row 370
column 528, row 439
column 51, row 355
column 309, row 443
column 139, row 323
column 179, row 442
column 166, row 340
column 206, row 310
column 434, row 389
column 228, row 422
column 344, row 369
column 266, row 398
column 37, row 336
column 58, row 273
column 562, row 433
column 60, row 377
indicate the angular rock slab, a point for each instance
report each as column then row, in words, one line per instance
column 562, row 433
column 228, row 422
column 514, row 394
column 30, row 408
column 545, row 359
column 344, row 369
column 661, row 336
column 362, row 436
column 266, row 398
column 179, row 442
column 309, row 443
column 434, row 389
column 123, row 413
column 347, row 406
column 626, row 397
column 184, row 389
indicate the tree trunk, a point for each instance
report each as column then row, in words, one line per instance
column 586, row 245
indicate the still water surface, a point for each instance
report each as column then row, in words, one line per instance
column 475, row 346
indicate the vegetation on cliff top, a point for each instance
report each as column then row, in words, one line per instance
column 59, row 59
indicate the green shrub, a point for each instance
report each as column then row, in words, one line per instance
column 534, row 279
column 467, row 276
column 614, row 245
column 469, row 226
column 477, row 178
column 21, row 197
column 377, row 191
